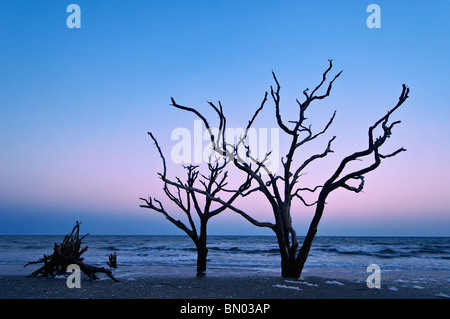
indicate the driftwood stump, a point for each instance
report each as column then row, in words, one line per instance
column 112, row 260
column 67, row 253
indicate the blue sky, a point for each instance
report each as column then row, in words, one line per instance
column 75, row 104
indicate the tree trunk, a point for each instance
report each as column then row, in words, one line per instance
column 202, row 253
column 202, row 250
column 289, row 265
column 304, row 251
column 292, row 265
column 291, row 268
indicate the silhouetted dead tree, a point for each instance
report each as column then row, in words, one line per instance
column 190, row 203
column 67, row 253
column 280, row 190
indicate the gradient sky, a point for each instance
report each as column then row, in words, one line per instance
column 75, row 106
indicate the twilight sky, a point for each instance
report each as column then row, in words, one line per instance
column 76, row 104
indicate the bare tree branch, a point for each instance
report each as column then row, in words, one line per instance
column 276, row 98
column 161, row 210
column 296, row 194
column 352, row 188
column 373, row 148
column 312, row 97
column 310, row 160
column 189, row 109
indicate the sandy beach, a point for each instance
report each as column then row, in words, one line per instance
column 181, row 283
column 176, row 292
column 165, row 287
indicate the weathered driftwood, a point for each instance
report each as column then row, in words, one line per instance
column 112, row 260
column 67, row 253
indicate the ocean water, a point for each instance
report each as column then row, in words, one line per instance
column 239, row 253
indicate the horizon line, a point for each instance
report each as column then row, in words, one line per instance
column 234, row 235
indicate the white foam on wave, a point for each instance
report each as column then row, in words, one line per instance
column 302, row 283
column 287, row 287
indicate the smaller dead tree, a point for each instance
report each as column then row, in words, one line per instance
column 67, row 253
column 191, row 203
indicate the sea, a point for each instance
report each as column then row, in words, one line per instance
column 143, row 255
